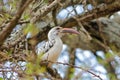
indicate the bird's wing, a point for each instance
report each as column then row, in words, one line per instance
column 44, row 46
column 40, row 47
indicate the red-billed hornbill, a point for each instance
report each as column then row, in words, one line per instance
column 53, row 47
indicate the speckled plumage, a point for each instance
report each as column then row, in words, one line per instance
column 51, row 49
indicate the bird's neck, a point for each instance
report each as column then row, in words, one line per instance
column 57, row 38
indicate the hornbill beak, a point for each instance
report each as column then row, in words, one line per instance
column 69, row 30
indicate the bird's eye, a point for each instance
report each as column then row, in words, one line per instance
column 57, row 28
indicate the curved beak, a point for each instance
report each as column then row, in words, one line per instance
column 69, row 30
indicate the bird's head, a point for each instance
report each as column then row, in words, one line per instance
column 59, row 31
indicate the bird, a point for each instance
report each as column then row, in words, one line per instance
column 51, row 49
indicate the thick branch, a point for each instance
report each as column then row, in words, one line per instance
column 45, row 10
column 99, row 11
column 9, row 27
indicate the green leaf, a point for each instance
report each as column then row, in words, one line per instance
column 26, row 16
column 39, row 56
column 32, row 29
column 46, row 1
column 71, row 73
column 1, row 78
column 112, row 76
column 109, row 55
column 100, row 60
column 29, row 68
column 40, row 69
column 9, row 52
column 34, row 68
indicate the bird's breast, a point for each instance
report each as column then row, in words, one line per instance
column 54, row 52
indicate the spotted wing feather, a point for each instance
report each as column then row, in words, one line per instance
column 44, row 46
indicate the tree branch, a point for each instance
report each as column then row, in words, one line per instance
column 9, row 27
column 44, row 10
column 99, row 11
column 79, row 67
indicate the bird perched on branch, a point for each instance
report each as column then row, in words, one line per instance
column 51, row 49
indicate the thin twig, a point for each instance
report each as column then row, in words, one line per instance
column 74, row 66
column 80, row 24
